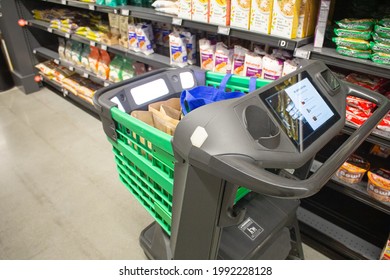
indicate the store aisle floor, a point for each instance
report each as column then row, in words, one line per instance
column 60, row 197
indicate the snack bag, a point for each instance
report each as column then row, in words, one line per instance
column 356, row 24
column 166, row 30
column 253, row 65
column 289, row 66
column 127, row 70
column 380, row 47
column 77, row 49
column 93, row 59
column 272, row 67
column 190, row 41
column 206, row 50
column 357, row 44
column 177, row 49
column 84, row 57
column 354, row 53
column 382, row 31
column 61, row 48
column 239, row 60
column 115, row 69
column 144, row 39
column 356, row 34
column 222, row 59
column 381, row 58
column 133, row 42
column 104, row 65
column 68, row 50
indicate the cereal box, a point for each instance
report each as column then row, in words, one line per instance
column 185, row 9
column 240, row 13
column 200, row 10
column 220, row 12
column 285, row 17
column 307, row 18
column 261, row 16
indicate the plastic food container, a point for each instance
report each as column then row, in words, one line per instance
column 378, row 185
column 353, row 170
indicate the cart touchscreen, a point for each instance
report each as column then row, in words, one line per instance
column 301, row 110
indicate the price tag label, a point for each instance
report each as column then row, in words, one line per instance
column 71, row 68
column 50, row 30
column 91, row 7
column 34, row 51
column 56, row 61
column 125, row 12
column 67, row 35
column 223, row 30
column 85, row 75
column 92, row 43
column 300, row 53
column 177, row 21
column 65, row 92
column 63, row 2
column 115, row 11
column 106, row 84
column 104, row 47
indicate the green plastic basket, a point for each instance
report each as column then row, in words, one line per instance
column 145, row 160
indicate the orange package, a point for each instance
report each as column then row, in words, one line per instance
column 103, row 69
column 353, row 170
column 93, row 58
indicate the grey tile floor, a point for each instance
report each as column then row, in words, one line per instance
column 60, row 197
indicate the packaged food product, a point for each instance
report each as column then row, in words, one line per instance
column 261, row 16
column 100, row 2
column 380, row 151
column 379, row 39
column 157, row 33
column 240, row 13
column 166, row 30
column 139, row 68
column 47, row 67
column 385, row 255
column 360, row 103
column 77, row 49
column 380, row 47
column 385, row 22
column 289, row 66
column 353, row 170
column 84, row 56
column 307, row 18
column 378, row 185
column 68, row 50
column 185, row 9
column 61, row 48
column 381, row 58
column 93, row 59
column 222, row 59
column 253, row 65
column 220, row 12
column 356, row 34
column 384, row 124
column 115, row 69
column 133, row 42
column 144, row 38
column 357, row 44
column 354, row 53
column 190, row 41
column 127, row 70
column 272, row 67
column 368, row 81
column 285, row 18
column 178, row 49
column 61, row 72
column 356, row 24
column 200, row 10
column 206, row 50
column 239, row 60
column 103, row 70
column 382, row 31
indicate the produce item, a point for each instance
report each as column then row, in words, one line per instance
column 261, row 16
column 200, row 10
column 103, row 70
column 356, row 24
column 356, row 34
column 381, row 58
column 354, row 53
column 220, row 12
column 253, row 65
column 240, row 13
column 206, row 50
column 357, row 44
column 222, row 59
column 272, row 67
column 285, row 18
column 353, row 170
column 185, row 9
column 378, row 185
column 382, row 31
column 178, row 49
column 380, row 47
column 239, row 60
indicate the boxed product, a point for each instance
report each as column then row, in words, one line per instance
column 185, row 9
column 261, row 16
column 285, row 17
column 240, row 13
column 319, row 34
column 200, row 10
column 307, row 18
column 220, row 12
column 353, row 170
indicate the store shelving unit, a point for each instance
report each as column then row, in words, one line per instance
column 302, row 49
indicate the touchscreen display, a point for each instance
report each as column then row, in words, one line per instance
column 300, row 109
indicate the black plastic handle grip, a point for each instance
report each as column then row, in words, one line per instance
column 245, row 171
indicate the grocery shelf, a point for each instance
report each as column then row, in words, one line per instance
column 49, row 54
column 377, row 136
column 78, row 100
column 154, row 60
column 331, row 57
column 151, row 14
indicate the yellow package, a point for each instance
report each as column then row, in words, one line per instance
column 307, row 16
column 285, row 17
column 261, row 16
column 240, row 13
column 220, row 12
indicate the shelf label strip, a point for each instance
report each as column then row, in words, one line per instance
column 125, row 12
column 224, row 30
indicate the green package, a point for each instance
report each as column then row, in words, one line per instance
column 381, row 58
column 356, row 24
column 357, row 44
column 121, row 2
column 127, row 69
column 84, row 56
column 382, row 31
column 101, row 2
column 116, row 69
column 364, row 35
column 112, row 3
column 379, row 39
column 77, row 49
column 380, row 47
column 354, row 53
column 385, row 22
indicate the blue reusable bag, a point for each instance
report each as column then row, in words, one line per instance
column 202, row 95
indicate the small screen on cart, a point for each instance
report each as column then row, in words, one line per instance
column 301, row 110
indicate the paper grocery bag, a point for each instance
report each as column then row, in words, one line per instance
column 146, row 117
column 166, row 114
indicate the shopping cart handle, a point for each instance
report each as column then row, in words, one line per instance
column 245, row 171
